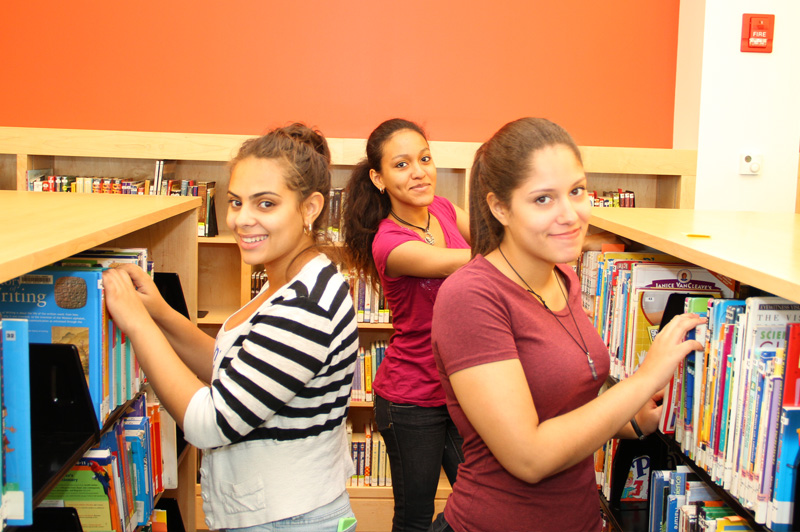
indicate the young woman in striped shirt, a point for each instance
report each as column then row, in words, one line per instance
column 272, row 421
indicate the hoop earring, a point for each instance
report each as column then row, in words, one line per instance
column 308, row 230
column 382, row 190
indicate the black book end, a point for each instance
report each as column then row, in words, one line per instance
column 63, row 421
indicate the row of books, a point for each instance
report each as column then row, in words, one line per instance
column 368, row 451
column 627, row 293
column 734, row 407
column 138, row 452
column 114, row 485
column 65, row 303
column 616, row 198
column 163, row 183
column 681, row 502
column 369, row 359
column 368, row 298
column 335, row 226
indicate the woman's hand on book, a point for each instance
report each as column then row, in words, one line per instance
column 668, row 349
column 147, row 291
column 123, row 301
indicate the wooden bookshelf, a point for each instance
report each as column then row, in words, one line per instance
column 43, row 228
column 761, row 250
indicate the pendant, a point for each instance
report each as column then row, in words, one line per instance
column 429, row 238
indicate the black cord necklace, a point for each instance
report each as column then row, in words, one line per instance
column 428, row 236
column 582, row 343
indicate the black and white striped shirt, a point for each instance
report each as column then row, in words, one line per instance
column 279, row 395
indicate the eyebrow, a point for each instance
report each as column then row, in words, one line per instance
column 405, row 155
column 582, row 179
column 256, row 195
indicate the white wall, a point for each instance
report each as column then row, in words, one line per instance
column 745, row 102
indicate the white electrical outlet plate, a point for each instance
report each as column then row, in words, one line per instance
column 750, row 164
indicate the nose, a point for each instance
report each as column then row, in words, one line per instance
column 243, row 216
column 417, row 171
column 568, row 212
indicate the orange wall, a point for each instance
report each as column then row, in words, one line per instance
column 604, row 70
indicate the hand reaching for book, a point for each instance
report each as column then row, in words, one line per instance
column 123, row 300
column 668, row 349
column 147, row 291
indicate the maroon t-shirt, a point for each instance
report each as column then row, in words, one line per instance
column 481, row 316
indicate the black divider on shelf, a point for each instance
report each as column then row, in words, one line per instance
column 63, row 422
column 174, row 518
column 169, row 285
column 170, row 288
column 729, row 499
column 52, row 519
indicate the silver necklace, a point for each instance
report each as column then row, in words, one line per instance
column 428, row 236
column 582, row 343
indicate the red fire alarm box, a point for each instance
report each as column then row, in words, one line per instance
column 757, row 31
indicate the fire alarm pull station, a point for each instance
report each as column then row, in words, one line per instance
column 757, row 33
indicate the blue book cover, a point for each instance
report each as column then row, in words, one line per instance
column 134, row 440
column 674, row 503
column 66, row 306
column 137, row 434
column 18, row 487
column 788, row 462
column 659, row 491
column 697, row 305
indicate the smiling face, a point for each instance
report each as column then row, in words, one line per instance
column 548, row 214
column 264, row 215
column 407, row 171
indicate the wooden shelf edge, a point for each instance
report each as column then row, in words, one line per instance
column 344, row 151
column 376, row 326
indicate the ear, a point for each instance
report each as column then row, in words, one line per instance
column 498, row 208
column 311, row 207
column 376, row 179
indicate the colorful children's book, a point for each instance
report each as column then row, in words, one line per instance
column 66, row 306
column 691, row 383
column 791, row 387
column 647, row 280
column 18, row 482
column 89, row 487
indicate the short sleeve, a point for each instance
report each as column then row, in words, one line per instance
column 389, row 236
column 471, row 324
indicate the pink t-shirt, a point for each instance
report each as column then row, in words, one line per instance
column 408, row 373
column 481, row 316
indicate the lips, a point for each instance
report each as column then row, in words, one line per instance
column 575, row 233
column 251, row 241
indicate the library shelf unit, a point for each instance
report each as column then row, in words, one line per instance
column 660, row 178
column 758, row 249
column 43, row 228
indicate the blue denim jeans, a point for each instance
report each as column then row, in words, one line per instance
column 440, row 524
column 323, row 519
column 419, row 442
